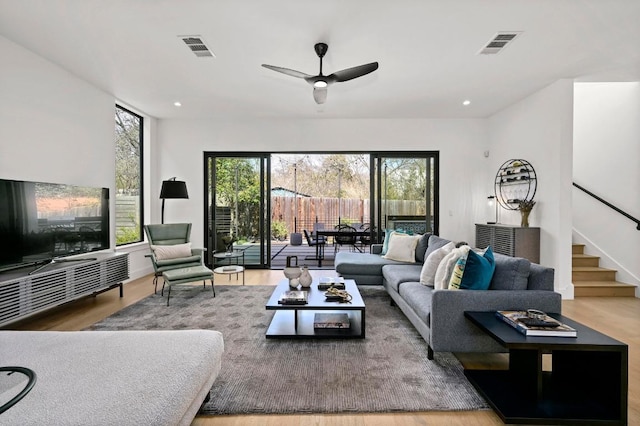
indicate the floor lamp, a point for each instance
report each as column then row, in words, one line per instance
column 172, row 189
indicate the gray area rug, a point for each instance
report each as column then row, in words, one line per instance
column 386, row 372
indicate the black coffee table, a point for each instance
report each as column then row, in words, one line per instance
column 588, row 383
column 296, row 321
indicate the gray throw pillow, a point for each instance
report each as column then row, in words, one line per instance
column 511, row 273
column 421, row 248
column 435, row 243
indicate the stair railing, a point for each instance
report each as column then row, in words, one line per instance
column 608, row 204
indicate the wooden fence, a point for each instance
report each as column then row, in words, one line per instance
column 330, row 210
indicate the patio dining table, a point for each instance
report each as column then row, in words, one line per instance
column 338, row 233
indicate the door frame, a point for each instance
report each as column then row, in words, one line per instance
column 265, row 203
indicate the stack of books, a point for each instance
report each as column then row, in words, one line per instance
column 326, row 282
column 544, row 327
column 293, row 297
column 331, row 320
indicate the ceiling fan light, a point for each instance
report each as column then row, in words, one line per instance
column 320, row 84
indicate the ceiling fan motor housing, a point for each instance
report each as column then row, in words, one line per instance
column 321, row 49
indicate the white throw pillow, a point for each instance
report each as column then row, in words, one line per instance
column 174, row 251
column 445, row 268
column 402, row 247
column 430, row 266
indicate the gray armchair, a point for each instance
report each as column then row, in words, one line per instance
column 168, row 235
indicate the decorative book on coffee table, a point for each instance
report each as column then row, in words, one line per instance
column 293, row 297
column 327, row 282
column 544, row 326
column 331, row 320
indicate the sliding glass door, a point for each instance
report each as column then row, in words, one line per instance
column 237, row 206
column 313, row 188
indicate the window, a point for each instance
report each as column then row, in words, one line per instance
column 128, row 177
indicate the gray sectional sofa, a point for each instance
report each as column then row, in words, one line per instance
column 438, row 315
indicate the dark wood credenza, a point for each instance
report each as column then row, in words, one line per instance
column 23, row 295
column 515, row 241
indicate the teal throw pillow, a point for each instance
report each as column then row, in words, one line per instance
column 478, row 270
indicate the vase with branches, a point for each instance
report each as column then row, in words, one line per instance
column 525, row 207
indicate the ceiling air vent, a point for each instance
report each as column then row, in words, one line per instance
column 197, row 46
column 498, row 42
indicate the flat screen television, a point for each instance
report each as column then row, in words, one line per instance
column 41, row 222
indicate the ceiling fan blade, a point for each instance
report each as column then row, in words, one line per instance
column 320, row 95
column 287, row 71
column 355, row 72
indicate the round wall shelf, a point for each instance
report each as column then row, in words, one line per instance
column 515, row 181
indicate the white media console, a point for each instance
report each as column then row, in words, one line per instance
column 23, row 294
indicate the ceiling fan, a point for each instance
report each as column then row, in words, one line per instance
column 320, row 82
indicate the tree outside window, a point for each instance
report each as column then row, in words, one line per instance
column 128, row 176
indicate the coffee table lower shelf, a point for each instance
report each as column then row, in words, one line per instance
column 284, row 325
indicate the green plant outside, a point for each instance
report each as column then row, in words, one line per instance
column 127, row 235
column 279, row 230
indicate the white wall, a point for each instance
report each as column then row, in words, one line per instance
column 606, row 153
column 539, row 130
column 55, row 127
column 181, row 144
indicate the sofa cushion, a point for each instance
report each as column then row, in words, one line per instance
column 387, row 238
column 478, row 270
column 418, row 297
column 421, row 247
column 511, row 273
column 445, row 268
column 350, row 264
column 540, row 278
column 435, row 243
column 395, row 275
column 402, row 247
column 430, row 266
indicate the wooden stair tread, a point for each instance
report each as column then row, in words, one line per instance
column 591, row 269
column 584, row 256
column 601, row 284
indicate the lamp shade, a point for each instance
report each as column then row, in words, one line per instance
column 173, row 189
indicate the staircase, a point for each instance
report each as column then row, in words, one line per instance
column 589, row 279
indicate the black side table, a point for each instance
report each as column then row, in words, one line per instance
column 588, row 383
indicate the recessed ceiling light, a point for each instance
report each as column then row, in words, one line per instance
column 178, row 104
column 466, row 102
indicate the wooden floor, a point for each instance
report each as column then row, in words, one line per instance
column 618, row 317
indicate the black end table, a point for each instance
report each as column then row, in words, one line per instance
column 588, row 382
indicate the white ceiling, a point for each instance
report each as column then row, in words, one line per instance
column 427, row 51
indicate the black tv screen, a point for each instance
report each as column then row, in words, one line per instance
column 43, row 221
